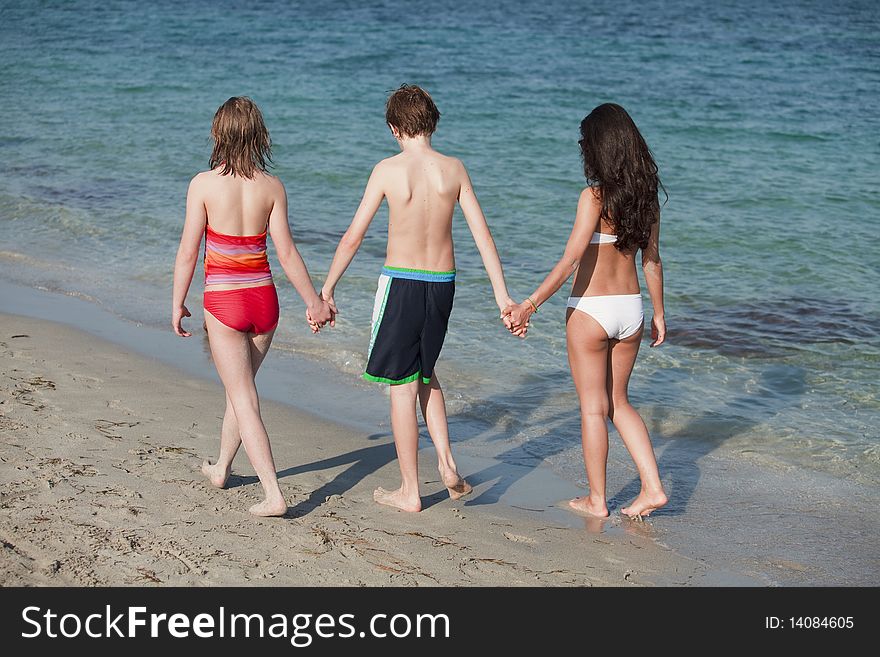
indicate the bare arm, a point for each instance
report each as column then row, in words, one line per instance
column 293, row 264
column 653, row 269
column 586, row 220
column 476, row 221
column 187, row 254
column 353, row 238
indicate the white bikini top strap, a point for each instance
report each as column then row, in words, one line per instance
column 603, row 238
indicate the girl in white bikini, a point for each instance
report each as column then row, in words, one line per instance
column 617, row 215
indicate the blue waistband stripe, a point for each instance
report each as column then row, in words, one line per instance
column 419, row 274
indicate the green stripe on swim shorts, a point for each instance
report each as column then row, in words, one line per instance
column 382, row 379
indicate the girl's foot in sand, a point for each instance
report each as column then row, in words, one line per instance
column 398, row 500
column 216, row 475
column 585, row 505
column 455, row 484
column 270, row 508
column 644, row 504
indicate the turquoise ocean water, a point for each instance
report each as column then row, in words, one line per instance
column 763, row 119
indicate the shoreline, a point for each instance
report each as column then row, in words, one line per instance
column 100, row 487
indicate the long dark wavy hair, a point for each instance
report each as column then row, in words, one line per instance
column 241, row 142
column 618, row 162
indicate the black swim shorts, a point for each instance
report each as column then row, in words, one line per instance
column 410, row 318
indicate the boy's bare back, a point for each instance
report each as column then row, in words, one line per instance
column 422, row 187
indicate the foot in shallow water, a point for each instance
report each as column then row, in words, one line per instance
column 455, row 484
column 216, row 474
column 398, row 500
column 645, row 504
column 585, row 505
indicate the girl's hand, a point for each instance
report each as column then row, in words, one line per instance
column 318, row 314
column 312, row 323
column 177, row 316
column 658, row 330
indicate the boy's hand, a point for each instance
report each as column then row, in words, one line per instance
column 505, row 314
column 328, row 298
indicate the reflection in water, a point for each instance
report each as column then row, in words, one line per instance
column 593, row 524
column 681, row 451
column 635, row 527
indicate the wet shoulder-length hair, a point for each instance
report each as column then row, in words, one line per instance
column 241, row 142
column 619, row 165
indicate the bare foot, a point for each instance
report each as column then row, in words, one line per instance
column 267, row 509
column 215, row 474
column 585, row 505
column 396, row 499
column 455, row 484
column 645, row 504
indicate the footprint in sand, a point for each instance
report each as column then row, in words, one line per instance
column 516, row 538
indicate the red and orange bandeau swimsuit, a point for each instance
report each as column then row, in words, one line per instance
column 240, row 260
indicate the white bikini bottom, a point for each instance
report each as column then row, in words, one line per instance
column 621, row 315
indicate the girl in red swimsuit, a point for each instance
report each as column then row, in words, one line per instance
column 235, row 206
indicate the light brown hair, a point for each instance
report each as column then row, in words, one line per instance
column 241, row 142
column 412, row 111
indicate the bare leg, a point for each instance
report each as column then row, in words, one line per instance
column 434, row 411
column 631, row 427
column 587, row 356
column 230, row 438
column 231, row 351
column 404, row 424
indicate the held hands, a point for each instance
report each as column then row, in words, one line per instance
column 516, row 317
column 177, row 316
column 320, row 312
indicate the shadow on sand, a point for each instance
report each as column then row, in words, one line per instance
column 678, row 454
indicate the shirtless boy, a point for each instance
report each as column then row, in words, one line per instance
column 417, row 285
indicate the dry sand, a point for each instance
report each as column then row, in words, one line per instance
column 99, row 485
